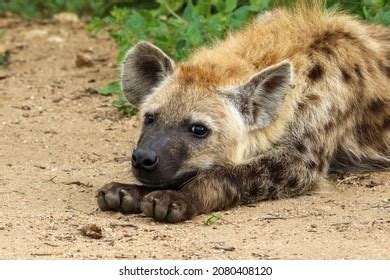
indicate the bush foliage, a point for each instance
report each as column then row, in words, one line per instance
column 42, row 8
column 178, row 26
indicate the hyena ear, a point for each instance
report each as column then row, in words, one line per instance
column 261, row 99
column 143, row 68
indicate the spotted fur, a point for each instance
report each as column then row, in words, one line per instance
column 332, row 113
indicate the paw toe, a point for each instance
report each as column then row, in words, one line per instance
column 147, row 206
column 102, row 202
column 119, row 197
column 129, row 204
column 113, row 200
column 175, row 214
column 161, row 211
column 165, row 206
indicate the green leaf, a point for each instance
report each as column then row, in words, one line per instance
column 216, row 26
column 383, row 17
column 119, row 14
column 174, row 5
column 96, row 25
column 112, row 88
column 239, row 17
column 204, row 7
column 219, row 5
column 123, row 105
column 213, row 218
column 231, row 5
column 189, row 12
column 366, row 13
column 259, row 5
column 135, row 25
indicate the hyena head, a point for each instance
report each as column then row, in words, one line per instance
column 189, row 127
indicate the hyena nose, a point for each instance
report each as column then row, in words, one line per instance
column 144, row 159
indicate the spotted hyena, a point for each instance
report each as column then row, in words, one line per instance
column 266, row 113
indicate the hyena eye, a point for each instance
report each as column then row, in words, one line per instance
column 199, row 130
column 149, row 118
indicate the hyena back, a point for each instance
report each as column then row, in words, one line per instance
column 264, row 114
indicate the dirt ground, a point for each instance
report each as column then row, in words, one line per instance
column 60, row 141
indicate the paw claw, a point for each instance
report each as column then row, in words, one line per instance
column 119, row 197
column 113, row 200
column 166, row 206
column 102, row 203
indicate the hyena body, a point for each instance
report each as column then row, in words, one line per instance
column 264, row 114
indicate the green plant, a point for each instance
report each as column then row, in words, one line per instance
column 216, row 216
column 177, row 26
column 180, row 26
column 121, row 101
column 372, row 10
column 4, row 58
column 4, row 55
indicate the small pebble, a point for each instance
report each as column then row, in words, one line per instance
column 92, row 231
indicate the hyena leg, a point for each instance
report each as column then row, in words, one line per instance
column 281, row 172
column 120, row 197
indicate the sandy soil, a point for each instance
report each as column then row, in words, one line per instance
column 60, row 142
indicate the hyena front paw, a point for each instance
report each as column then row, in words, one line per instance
column 120, row 197
column 167, row 206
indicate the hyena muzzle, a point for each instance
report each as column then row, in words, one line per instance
column 264, row 114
